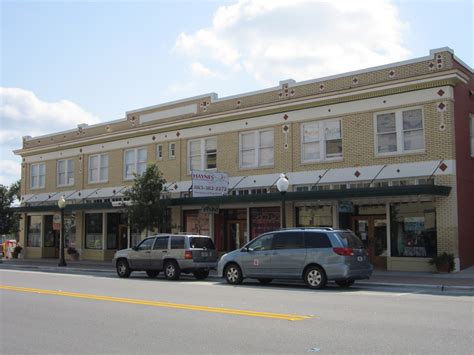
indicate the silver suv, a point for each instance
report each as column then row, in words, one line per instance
column 315, row 255
column 171, row 253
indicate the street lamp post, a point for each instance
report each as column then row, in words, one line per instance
column 61, row 205
column 282, row 186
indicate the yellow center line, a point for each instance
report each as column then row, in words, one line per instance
column 293, row 317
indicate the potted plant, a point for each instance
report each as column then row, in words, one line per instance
column 443, row 262
column 73, row 253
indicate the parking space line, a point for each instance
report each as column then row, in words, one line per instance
column 231, row 311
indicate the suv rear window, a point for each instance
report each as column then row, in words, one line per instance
column 177, row 242
column 200, row 242
column 350, row 240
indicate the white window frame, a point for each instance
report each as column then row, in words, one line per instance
column 257, row 148
column 69, row 182
column 135, row 162
column 399, row 132
column 159, row 152
column 322, row 141
column 172, row 150
column 202, row 153
column 99, row 167
column 37, row 167
column 471, row 125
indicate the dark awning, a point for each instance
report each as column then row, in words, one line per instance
column 340, row 194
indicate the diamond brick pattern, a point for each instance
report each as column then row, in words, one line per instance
column 440, row 92
column 357, row 173
column 443, row 166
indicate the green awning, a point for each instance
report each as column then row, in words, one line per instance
column 340, row 194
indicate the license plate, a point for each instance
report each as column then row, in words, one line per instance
column 204, row 254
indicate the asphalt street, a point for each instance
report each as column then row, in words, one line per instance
column 83, row 314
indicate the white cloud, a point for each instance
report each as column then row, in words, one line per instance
column 22, row 113
column 201, row 71
column 299, row 39
column 10, row 171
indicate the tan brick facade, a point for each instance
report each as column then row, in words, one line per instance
column 354, row 99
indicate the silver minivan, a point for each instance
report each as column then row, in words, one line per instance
column 172, row 253
column 315, row 255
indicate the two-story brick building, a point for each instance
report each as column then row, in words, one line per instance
column 387, row 152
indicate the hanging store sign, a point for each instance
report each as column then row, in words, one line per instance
column 209, row 184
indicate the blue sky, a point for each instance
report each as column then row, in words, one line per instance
column 69, row 62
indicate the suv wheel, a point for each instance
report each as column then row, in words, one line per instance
column 201, row 274
column 123, row 270
column 345, row 283
column 315, row 277
column 152, row 273
column 172, row 270
column 233, row 274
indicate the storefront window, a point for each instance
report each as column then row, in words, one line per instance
column 263, row 220
column 93, row 230
column 33, row 238
column 413, row 229
column 196, row 222
column 70, row 230
column 315, row 216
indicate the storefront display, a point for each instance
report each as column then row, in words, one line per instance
column 263, row 220
column 33, row 237
column 314, row 216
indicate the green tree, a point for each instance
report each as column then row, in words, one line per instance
column 9, row 220
column 147, row 210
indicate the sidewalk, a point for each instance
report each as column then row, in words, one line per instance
column 463, row 280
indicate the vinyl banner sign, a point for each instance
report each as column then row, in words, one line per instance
column 209, row 184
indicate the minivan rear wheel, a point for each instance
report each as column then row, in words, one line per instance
column 315, row 277
column 345, row 283
column 172, row 270
column 233, row 274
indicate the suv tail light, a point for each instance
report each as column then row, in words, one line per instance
column 344, row 251
column 188, row 254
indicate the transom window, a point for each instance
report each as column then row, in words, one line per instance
column 321, row 140
column 37, row 175
column 134, row 162
column 399, row 132
column 65, row 172
column 98, row 168
column 202, row 154
column 256, row 149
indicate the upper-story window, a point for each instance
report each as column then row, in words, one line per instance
column 256, row 149
column 172, row 151
column 472, row 135
column 98, row 168
column 159, row 152
column 202, row 154
column 321, row 140
column 399, row 132
column 37, row 175
column 65, row 172
column 134, row 162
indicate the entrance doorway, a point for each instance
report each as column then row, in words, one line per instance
column 372, row 230
column 235, row 234
column 123, row 234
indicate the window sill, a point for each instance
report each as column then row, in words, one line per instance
column 97, row 182
column 322, row 161
column 398, row 154
column 257, row 167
